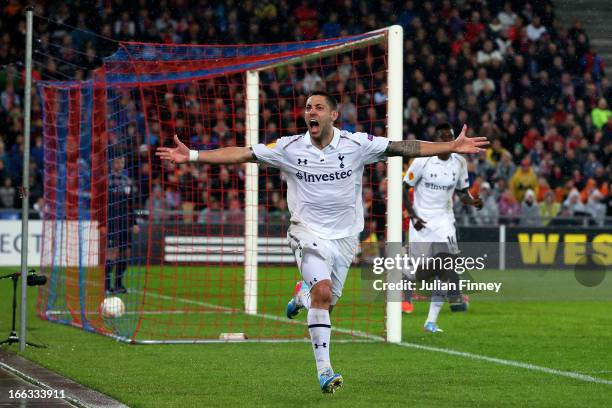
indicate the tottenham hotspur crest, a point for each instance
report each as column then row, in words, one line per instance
column 341, row 158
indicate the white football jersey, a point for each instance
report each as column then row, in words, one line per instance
column 434, row 183
column 324, row 187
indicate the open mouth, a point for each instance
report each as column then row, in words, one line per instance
column 313, row 125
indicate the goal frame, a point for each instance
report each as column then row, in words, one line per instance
column 394, row 36
column 129, row 75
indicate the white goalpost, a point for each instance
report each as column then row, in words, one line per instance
column 395, row 75
column 251, row 232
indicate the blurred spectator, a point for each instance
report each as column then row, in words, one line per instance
column 601, row 113
column 212, row 214
column 10, row 98
column 524, row 178
column 487, row 55
column 507, row 17
column 332, row 28
column 531, row 138
column 312, row 82
column 172, row 198
column 474, row 27
column 489, row 212
column 39, row 207
column 306, row 16
column 549, row 208
column 7, row 194
column 590, row 166
column 235, row 214
column 496, row 151
column 592, row 63
column 509, row 208
column 590, row 186
column 280, row 213
column 156, row 203
column 596, row 208
column 38, row 152
column 348, row 113
column 530, row 210
column 506, row 167
column 543, row 189
column 535, row 29
column 573, row 203
column 483, row 82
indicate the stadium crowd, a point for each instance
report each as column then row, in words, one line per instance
column 510, row 70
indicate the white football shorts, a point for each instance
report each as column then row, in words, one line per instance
column 438, row 236
column 337, row 253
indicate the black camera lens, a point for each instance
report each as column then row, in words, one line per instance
column 36, row 280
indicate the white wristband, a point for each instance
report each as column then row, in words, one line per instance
column 193, row 155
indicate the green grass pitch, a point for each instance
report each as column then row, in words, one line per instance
column 498, row 339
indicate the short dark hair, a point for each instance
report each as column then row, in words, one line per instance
column 333, row 103
column 443, row 127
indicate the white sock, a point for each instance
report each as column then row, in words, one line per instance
column 319, row 327
column 434, row 311
column 437, row 300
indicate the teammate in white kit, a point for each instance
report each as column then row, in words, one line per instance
column 432, row 227
column 323, row 169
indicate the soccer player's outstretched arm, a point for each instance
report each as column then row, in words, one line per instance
column 418, row 148
column 225, row 155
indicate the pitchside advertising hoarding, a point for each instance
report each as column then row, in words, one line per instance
column 509, row 247
column 65, row 243
column 559, row 247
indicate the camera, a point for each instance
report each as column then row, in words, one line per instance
column 35, row 280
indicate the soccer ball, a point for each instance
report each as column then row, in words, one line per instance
column 112, row 307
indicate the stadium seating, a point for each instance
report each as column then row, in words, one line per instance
column 514, row 74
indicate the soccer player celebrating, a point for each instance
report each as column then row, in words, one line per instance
column 323, row 169
column 432, row 227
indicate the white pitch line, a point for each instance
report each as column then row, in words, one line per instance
column 355, row 333
column 147, row 312
column 471, row 356
column 511, row 363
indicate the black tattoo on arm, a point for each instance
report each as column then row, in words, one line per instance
column 404, row 148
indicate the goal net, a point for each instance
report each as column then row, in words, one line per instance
column 197, row 251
